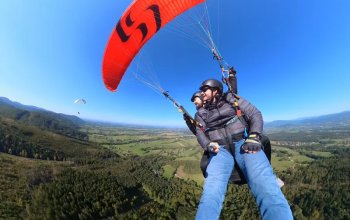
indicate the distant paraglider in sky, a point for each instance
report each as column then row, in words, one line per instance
column 80, row 102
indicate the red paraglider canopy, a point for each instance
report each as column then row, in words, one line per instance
column 137, row 25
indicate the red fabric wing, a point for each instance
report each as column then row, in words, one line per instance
column 138, row 24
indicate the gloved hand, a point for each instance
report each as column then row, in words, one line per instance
column 252, row 144
column 232, row 71
column 190, row 124
column 213, row 147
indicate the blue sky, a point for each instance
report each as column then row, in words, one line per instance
column 292, row 58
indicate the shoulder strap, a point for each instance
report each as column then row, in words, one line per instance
column 239, row 113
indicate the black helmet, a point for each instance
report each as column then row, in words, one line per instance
column 196, row 94
column 212, row 83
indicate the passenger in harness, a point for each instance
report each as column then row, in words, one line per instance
column 224, row 131
column 237, row 176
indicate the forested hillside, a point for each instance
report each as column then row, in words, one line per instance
column 134, row 172
column 129, row 188
column 59, row 123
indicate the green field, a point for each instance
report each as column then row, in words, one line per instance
column 283, row 158
column 150, row 170
column 182, row 149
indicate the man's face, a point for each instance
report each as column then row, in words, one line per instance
column 207, row 94
column 198, row 102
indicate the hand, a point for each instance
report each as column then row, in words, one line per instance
column 232, row 71
column 214, row 147
column 252, row 144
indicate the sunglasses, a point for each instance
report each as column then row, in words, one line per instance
column 204, row 89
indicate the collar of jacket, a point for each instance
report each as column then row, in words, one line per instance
column 217, row 104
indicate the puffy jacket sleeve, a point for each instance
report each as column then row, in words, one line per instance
column 252, row 114
column 232, row 80
column 202, row 138
column 190, row 124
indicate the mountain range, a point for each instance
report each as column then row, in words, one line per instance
column 67, row 125
column 341, row 119
column 47, row 119
column 18, row 111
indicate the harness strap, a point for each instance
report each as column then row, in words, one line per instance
column 238, row 110
column 241, row 116
column 233, row 119
column 231, row 138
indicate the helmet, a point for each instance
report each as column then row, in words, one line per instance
column 212, row 83
column 196, row 94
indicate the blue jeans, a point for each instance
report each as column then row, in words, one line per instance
column 260, row 178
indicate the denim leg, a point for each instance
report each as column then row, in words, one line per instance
column 215, row 185
column 262, row 182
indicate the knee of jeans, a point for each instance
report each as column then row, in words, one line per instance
column 214, row 190
column 216, row 178
column 265, row 187
column 257, row 163
column 220, row 164
column 260, row 174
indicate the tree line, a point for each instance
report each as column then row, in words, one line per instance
column 128, row 188
column 17, row 146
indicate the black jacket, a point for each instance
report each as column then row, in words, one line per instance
column 220, row 120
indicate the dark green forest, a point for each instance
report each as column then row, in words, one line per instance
column 113, row 172
column 127, row 188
